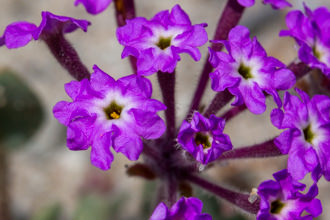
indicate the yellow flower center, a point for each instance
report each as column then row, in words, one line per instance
column 113, row 111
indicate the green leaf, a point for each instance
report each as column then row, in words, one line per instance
column 20, row 110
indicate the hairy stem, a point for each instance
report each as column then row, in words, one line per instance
column 236, row 198
column 219, row 101
column 125, row 9
column 66, row 55
column 167, row 86
column 172, row 187
column 265, row 149
column 229, row 18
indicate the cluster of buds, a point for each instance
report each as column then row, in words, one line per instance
column 120, row 114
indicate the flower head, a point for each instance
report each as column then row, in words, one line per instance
column 105, row 113
column 246, row 71
column 282, row 200
column 157, row 43
column 312, row 34
column 20, row 33
column 276, row 4
column 185, row 209
column 204, row 138
column 307, row 135
column 94, row 6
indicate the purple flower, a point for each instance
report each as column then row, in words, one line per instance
column 157, row 43
column 204, row 138
column 185, row 209
column 276, row 4
column 281, row 199
column 20, row 33
column 94, row 6
column 105, row 113
column 307, row 138
column 247, row 72
column 312, row 34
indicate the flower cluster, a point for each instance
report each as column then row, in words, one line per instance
column 311, row 32
column 157, row 43
column 105, row 113
column 247, row 72
column 282, row 199
column 120, row 116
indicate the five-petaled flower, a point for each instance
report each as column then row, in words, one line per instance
column 312, row 34
column 282, row 199
column 105, row 113
column 307, row 135
column 185, row 208
column 204, row 138
column 157, row 43
column 247, row 72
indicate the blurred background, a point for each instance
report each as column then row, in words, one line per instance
column 47, row 181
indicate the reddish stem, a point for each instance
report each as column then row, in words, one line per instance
column 236, row 198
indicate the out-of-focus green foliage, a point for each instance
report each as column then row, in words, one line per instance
column 100, row 208
column 148, row 198
column 20, row 110
column 213, row 206
column 52, row 212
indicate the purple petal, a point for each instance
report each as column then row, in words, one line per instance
column 178, row 16
column 137, row 85
column 51, row 23
column 101, row 155
column 254, row 98
column 160, row 213
column 101, row 81
column 283, row 79
column 246, row 3
column 18, row 34
column 94, row 6
column 62, row 112
column 128, row 144
column 277, row 4
column 148, row 125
